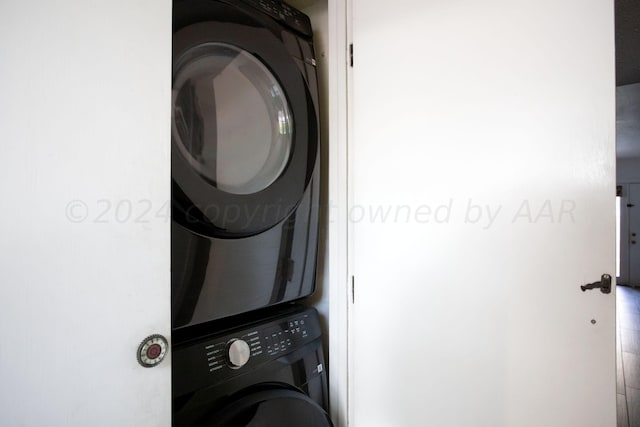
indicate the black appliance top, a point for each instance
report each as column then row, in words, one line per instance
column 285, row 14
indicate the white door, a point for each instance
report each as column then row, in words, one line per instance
column 483, row 195
column 84, row 178
column 633, row 239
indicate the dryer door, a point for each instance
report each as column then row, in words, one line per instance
column 244, row 131
column 278, row 407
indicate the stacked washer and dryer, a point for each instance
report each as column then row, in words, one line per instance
column 245, row 195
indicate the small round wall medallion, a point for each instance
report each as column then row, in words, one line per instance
column 152, row 350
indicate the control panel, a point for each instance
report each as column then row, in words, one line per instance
column 215, row 359
column 252, row 346
column 284, row 13
column 233, row 352
column 281, row 338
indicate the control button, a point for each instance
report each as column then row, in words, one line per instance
column 238, row 353
column 153, row 351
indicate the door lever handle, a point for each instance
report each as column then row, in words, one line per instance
column 604, row 285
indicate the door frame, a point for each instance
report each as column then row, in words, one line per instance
column 623, row 248
column 625, row 230
column 339, row 202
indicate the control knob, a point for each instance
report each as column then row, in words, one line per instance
column 238, row 353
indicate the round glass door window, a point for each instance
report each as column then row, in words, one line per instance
column 231, row 119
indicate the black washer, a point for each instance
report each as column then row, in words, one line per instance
column 283, row 382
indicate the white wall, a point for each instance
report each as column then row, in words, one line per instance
column 84, row 175
column 627, row 162
column 627, row 172
column 317, row 12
